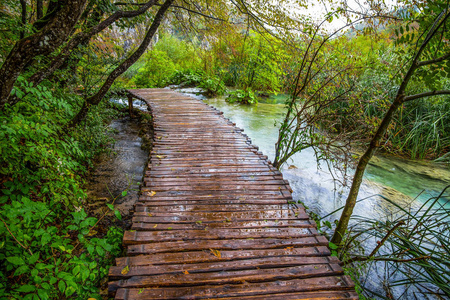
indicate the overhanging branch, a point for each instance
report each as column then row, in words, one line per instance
column 426, row 94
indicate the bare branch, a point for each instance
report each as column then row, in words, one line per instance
column 21, row 245
column 434, row 61
column 426, row 94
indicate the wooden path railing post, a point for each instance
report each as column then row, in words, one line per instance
column 130, row 105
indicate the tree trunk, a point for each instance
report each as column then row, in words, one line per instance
column 39, row 9
column 361, row 167
column 23, row 5
column 382, row 129
column 95, row 99
column 81, row 38
column 41, row 43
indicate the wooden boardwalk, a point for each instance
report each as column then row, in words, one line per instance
column 215, row 220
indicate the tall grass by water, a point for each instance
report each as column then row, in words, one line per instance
column 410, row 251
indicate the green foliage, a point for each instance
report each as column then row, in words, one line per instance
column 246, row 96
column 186, row 77
column 182, row 53
column 212, row 85
column 171, row 61
column 254, row 60
column 156, row 71
column 49, row 247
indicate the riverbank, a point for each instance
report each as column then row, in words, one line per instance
column 118, row 175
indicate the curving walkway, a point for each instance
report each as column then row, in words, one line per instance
column 214, row 219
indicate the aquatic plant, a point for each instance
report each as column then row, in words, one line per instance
column 245, row 96
column 412, row 247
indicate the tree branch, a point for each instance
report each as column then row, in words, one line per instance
column 58, row 61
column 426, row 94
column 21, row 245
column 95, row 99
column 43, row 42
column 434, row 61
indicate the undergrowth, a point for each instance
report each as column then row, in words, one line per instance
column 50, row 247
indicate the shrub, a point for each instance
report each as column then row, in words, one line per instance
column 246, row 96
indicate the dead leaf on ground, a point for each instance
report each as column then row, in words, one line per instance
column 125, row 270
column 216, row 253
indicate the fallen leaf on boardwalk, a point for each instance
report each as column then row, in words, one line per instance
column 186, row 272
column 150, row 215
column 288, row 248
column 170, row 228
column 155, row 226
column 140, row 291
column 159, row 137
column 160, row 156
column 125, row 270
column 216, row 253
column 152, row 193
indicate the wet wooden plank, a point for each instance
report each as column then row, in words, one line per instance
column 195, row 275
column 272, row 263
column 330, row 283
column 247, row 244
column 216, row 220
column 151, row 225
column 208, row 255
column 137, row 237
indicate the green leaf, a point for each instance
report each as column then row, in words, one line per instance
column 33, row 259
column 124, row 193
column 61, row 286
column 15, row 260
column 46, row 237
column 69, row 291
column 27, row 288
column 76, row 270
column 100, row 250
column 43, row 294
column 332, row 246
column 110, row 206
column 118, row 215
column 21, row 270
